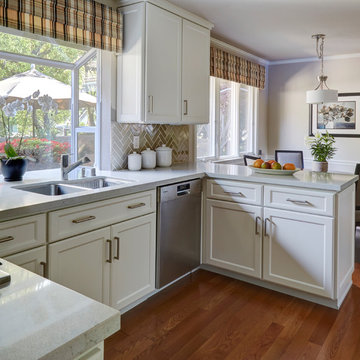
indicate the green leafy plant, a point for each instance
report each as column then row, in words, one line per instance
column 322, row 146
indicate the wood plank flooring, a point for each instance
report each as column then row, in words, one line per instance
column 209, row 316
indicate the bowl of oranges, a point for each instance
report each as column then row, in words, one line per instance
column 272, row 167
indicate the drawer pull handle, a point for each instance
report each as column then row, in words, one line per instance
column 135, row 206
column 234, row 193
column 265, row 227
column 109, row 260
column 300, row 202
column 43, row 264
column 6, row 238
column 117, row 257
column 256, row 225
column 186, row 107
column 83, row 219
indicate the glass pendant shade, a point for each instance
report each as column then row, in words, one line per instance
column 321, row 96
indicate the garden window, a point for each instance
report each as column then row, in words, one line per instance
column 48, row 99
column 230, row 131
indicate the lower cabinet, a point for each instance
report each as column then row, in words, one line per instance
column 133, row 267
column 114, row 265
column 81, row 263
column 33, row 260
column 299, row 251
column 233, row 237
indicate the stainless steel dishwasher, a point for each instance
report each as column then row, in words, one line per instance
column 178, row 230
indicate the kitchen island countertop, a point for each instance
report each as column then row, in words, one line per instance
column 41, row 319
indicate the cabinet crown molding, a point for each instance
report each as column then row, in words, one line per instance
column 164, row 4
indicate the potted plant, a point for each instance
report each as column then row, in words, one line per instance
column 322, row 148
column 13, row 166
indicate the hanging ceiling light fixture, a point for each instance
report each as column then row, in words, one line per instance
column 322, row 93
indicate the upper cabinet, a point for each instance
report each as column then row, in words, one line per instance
column 163, row 72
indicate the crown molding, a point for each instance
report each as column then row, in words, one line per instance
column 236, row 51
column 314, row 59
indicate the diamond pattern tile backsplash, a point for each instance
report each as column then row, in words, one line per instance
column 151, row 136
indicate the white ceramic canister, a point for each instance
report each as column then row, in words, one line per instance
column 134, row 161
column 148, row 159
column 163, row 156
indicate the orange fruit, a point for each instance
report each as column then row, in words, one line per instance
column 271, row 161
column 289, row 166
column 265, row 165
column 276, row 166
column 257, row 163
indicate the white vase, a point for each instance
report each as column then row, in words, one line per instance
column 320, row 166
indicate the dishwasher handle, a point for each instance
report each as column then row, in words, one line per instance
column 183, row 192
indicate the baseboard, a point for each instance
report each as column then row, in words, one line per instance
column 282, row 289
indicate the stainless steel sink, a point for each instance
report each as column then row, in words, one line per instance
column 51, row 189
column 98, row 182
column 71, row 186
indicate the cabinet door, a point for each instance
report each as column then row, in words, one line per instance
column 195, row 73
column 163, row 66
column 298, row 251
column 33, row 260
column 80, row 263
column 133, row 267
column 233, row 237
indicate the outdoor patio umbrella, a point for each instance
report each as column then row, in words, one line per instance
column 22, row 85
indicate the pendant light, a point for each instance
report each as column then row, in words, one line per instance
column 322, row 93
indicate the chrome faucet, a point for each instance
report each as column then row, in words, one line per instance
column 66, row 168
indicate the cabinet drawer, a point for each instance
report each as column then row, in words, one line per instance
column 22, row 234
column 80, row 219
column 309, row 201
column 235, row 191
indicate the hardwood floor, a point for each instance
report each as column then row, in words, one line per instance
column 209, row 316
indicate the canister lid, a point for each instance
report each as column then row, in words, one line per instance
column 163, row 147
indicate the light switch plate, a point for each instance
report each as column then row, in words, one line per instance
column 136, row 142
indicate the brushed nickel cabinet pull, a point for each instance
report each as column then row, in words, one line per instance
column 300, row 202
column 234, row 193
column 109, row 260
column 117, row 257
column 265, row 231
column 43, row 264
column 151, row 104
column 83, row 219
column 135, row 206
column 186, row 107
column 256, row 225
column 6, row 238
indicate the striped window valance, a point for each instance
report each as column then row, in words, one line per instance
column 234, row 68
column 85, row 22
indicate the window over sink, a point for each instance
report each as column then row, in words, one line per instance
column 230, row 131
column 48, row 98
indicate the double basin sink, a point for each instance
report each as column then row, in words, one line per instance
column 55, row 188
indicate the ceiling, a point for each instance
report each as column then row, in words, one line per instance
column 282, row 29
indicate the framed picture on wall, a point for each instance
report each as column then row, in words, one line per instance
column 340, row 118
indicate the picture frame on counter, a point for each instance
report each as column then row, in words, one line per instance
column 340, row 118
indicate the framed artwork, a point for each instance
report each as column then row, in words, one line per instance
column 340, row 118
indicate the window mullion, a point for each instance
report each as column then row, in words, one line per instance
column 217, row 118
column 74, row 112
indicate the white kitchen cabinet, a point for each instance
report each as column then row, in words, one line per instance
column 81, row 263
column 33, row 260
column 163, row 66
column 299, row 251
column 163, row 71
column 233, row 237
column 133, row 264
column 195, row 73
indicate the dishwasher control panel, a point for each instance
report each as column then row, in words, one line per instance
column 174, row 191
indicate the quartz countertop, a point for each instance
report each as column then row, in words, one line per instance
column 41, row 319
column 15, row 203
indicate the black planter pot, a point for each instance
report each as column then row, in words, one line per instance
column 13, row 170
